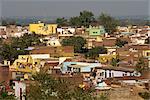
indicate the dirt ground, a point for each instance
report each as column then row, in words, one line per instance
column 124, row 93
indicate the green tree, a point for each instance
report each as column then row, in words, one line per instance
column 120, row 43
column 61, row 21
column 17, row 46
column 144, row 95
column 108, row 22
column 86, row 17
column 77, row 42
column 42, row 87
column 75, row 21
column 46, row 87
column 8, row 52
column 114, row 62
column 141, row 65
column 94, row 52
column 80, row 94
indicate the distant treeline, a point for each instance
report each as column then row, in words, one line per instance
column 23, row 21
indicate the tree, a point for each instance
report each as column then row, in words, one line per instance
column 46, row 87
column 75, row 21
column 17, row 46
column 42, row 87
column 86, row 17
column 120, row 43
column 114, row 62
column 61, row 21
column 108, row 22
column 77, row 42
column 80, row 94
column 6, row 22
column 94, row 52
column 144, row 95
column 8, row 52
column 141, row 65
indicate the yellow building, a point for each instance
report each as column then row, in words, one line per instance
column 146, row 54
column 104, row 58
column 26, row 64
column 43, row 29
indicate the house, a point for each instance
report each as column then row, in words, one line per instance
column 146, row 54
column 80, row 30
column 131, row 53
column 95, row 30
column 105, row 58
column 102, row 73
column 60, row 51
column 54, row 42
column 138, row 38
column 20, row 90
column 74, row 68
column 26, row 65
column 108, row 42
column 43, row 29
column 65, row 32
column 3, row 32
column 15, row 31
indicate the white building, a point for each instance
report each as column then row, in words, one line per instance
column 66, row 30
column 20, row 90
column 111, row 72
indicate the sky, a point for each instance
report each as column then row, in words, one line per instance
column 62, row 8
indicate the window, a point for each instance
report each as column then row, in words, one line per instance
column 105, row 74
column 109, row 73
column 68, row 68
column 102, row 74
column 112, row 74
column 52, row 29
column 148, row 54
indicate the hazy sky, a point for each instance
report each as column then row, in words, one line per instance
column 73, row 7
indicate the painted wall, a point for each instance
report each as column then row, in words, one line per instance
column 43, row 29
column 65, row 30
column 106, row 74
column 20, row 87
column 96, row 30
column 87, row 66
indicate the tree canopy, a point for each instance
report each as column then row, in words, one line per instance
column 61, row 21
column 94, row 52
column 114, row 62
column 17, row 46
column 108, row 22
column 77, row 42
column 84, row 19
column 141, row 65
column 120, row 42
column 46, row 87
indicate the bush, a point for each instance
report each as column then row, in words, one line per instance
column 145, row 95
